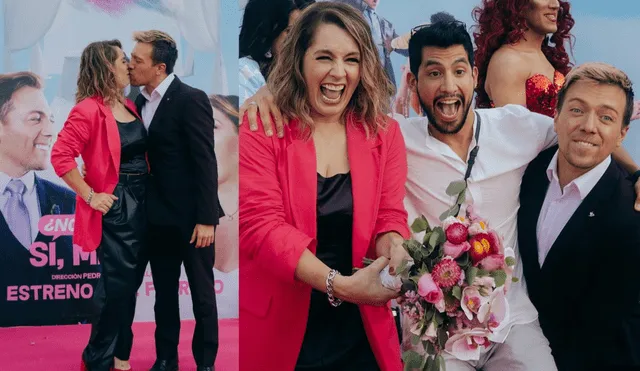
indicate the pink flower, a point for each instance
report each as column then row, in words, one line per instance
column 457, row 233
column 446, row 273
column 428, row 289
column 471, row 301
column 466, row 346
column 495, row 311
column 471, row 214
column 491, row 262
column 484, row 282
column 483, row 245
column 454, row 250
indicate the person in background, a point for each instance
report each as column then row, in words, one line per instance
column 318, row 201
column 225, row 114
column 106, row 130
column 518, row 62
column 265, row 26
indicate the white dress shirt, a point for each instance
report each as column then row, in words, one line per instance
column 510, row 137
column 30, row 199
column 153, row 100
column 559, row 205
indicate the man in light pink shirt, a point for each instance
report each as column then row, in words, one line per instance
column 579, row 236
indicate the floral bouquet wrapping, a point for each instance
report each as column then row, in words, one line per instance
column 454, row 291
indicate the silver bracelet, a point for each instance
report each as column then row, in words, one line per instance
column 332, row 299
column 89, row 197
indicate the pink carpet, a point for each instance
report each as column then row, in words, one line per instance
column 59, row 347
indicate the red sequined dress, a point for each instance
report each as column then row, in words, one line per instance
column 542, row 94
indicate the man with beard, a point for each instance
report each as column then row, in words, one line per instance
column 440, row 147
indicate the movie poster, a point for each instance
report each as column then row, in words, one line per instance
column 44, row 278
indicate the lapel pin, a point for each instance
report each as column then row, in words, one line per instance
column 591, row 214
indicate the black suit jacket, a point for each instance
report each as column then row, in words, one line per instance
column 16, row 269
column 183, row 186
column 588, row 290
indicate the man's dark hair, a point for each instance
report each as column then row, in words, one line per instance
column 442, row 17
column 441, row 35
column 11, row 83
column 164, row 46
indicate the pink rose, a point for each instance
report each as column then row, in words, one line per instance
column 428, row 289
column 454, row 250
column 492, row 262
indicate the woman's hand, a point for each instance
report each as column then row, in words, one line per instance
column 102, row 202
column 364, row 286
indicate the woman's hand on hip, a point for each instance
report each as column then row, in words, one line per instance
column 364, row 286
column 102, row 202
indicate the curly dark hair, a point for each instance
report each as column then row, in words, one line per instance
column 500, row 22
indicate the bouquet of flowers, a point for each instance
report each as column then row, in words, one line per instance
column 453, row 293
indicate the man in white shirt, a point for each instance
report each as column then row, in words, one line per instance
column 575, row 221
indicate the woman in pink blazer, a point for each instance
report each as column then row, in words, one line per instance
column 315, row 203
column 105, row 129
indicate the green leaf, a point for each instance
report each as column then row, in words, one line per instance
column 403, row 269
column 431, row 350
column 514, row 279
column 456, row 291
column 471, row 274
column 414, row 249
column 435, row 236
column 426, row 238
column 442, row 236
column 415, row 339
column 510, row 261
column 440, row 363
column 462, row 197
column 428, row 364
column 483, row 273
column 420, row 225
column 438, row 319
column 500, row 277
column 429, row 315
column 442, row 337
column 453, row 211
column 456, row 187
column 463, row 261
column 411, row 360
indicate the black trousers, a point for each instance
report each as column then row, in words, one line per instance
column 361, row 359
column 169, row 248
column 122, row 269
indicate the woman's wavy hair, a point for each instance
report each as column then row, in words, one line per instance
column 97, row 72
column 500, row 22
column 371, row 99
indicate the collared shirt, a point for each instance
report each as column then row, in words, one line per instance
column 510, row 137
column 30, row 199
column 153, row 100
column 250, row 79
column 560, row 204
column 372, row 19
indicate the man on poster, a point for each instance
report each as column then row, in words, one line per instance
column 31, row 261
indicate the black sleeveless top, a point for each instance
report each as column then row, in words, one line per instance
column 332, row 334
column 133, row 140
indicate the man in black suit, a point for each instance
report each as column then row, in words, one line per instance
column 25, row 142
column 181, row 200
column 578, row 233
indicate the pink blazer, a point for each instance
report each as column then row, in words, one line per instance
column 278, row 222
column 92, row 132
